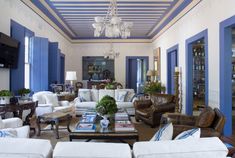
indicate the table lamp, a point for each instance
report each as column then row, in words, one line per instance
column 71, row 76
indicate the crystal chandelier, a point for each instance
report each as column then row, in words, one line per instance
column 112, row 25
column 111, row 54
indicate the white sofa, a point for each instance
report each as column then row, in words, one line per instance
column 186, row 148
column 96, row 95
column 15, row 125
column 48, row 102
column 25, row 148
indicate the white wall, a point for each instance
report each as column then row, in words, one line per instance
column 207, row 15
column 125, row 49
column 19, row 12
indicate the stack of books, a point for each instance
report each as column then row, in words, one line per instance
column 120, row 116
column 124, row 126
column 85, row 127
column 87, row 122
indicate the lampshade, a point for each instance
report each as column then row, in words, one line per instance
column 71, row 75
column 150, row 73
column 177, row 69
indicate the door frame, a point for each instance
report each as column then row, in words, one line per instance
column 169, row 51
column 189, row 69
column 225, row 83
column 134, row 57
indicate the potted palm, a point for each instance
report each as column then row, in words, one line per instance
column 5, row 96
column 154, row 87
column 106, row 107
column 24, row 93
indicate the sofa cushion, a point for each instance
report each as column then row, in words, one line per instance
column 164, row 133
column 124, row 104
column 94, row 95
column 25, row 148
column 88, row 105
column 192, row 133
column 104, row 92
column 84, row 95
column 39, row 96
column 91, row 150
column 51, row 99
column 206, row 118
column 121, row 96
column 8, row 133
column 193, row 148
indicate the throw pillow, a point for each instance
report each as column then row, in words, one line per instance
column 206, row 117
column 1, row 123
column 85, row 95
column 129, row 96
column 121, row 96
column 9, row 133
column 51, row 99
column 164, row 133
column 192, row 133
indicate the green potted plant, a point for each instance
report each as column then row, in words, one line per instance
column 106, row 107
column 24, row 93
column 5, row 96
column 154, row 87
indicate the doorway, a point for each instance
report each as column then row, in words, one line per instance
column 136, row 69
column 227, row 68
column 172, row 62
column 196, row 73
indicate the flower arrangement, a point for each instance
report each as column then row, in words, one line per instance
column 154, row 87
column 5, row 93
column 106, row 106
column 24, row 91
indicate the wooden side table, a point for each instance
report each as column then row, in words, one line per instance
column 54, row 119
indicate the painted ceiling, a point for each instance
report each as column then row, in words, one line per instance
column 75, row 17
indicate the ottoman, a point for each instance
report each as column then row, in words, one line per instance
column 91, row 150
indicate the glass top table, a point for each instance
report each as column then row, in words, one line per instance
column 98, row 132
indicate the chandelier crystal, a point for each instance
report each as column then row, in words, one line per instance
column 111, row 54
column 112, row 25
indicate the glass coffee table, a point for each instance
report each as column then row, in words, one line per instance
column 110, row 133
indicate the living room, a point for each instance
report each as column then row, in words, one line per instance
column 208, row 23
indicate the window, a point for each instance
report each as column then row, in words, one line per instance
column 27, row 64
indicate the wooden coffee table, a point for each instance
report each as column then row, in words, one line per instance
column 108, row 133
column 54, row 119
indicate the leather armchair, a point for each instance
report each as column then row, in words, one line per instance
column 184, row 122
column 150, row 111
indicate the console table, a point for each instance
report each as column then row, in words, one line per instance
column 17, row 110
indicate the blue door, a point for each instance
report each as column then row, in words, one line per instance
column 171, row 64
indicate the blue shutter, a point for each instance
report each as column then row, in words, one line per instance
column 54, row 63
column 39, row 64
column 17, row 75
column 62, row 67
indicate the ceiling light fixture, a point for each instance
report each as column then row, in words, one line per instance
column 112, row 25
column 111, row 54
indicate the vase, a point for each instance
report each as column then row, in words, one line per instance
column 104, row 123
column 4, row 100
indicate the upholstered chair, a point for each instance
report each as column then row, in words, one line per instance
column 48, row 102
column 211, row 121
column 150, row 111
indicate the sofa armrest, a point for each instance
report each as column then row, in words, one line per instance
column 139, row 104
column 167, row 107
column 12, row 122
column 64, row 103
column 178, row 119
